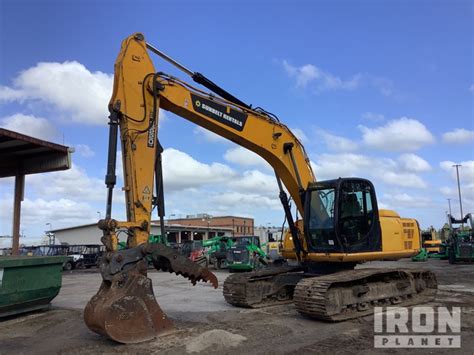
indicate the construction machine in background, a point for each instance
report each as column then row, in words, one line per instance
column 431, row 246
column 341, row 224
column 194, row 251
column 272, row 249
column 246, row 254
column 430, row 241
column 216, row 250
column 153, row 238
column 208, row 252
column 460, row 245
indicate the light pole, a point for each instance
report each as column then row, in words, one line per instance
column 208, row 220
column 449, row 203
column 459, row 191
column 100, row 214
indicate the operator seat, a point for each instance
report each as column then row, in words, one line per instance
column 350, row 206
column 351, row 212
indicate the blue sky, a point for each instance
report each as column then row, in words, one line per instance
column 377, row 90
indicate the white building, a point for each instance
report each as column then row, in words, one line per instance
column 267, row 233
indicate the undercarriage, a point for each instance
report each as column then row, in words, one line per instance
column 332, row 297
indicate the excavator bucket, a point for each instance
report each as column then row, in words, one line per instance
column 125, row 309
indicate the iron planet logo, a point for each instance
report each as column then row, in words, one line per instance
column 417, row 327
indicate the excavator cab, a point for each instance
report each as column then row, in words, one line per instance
column 342, row 216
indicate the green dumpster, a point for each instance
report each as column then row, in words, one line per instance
column 28, row 283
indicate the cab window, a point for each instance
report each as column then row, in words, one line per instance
column 321, row 218
column 356, row 211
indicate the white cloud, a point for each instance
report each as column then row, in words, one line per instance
column 226, row 202
column 308, row 73
column 383, row 85
column 63, row 198
column 404, row 200
column 8, row 94
column 446, row 191
column 237, row 201
column 374, row 117
column 73, row 184
column 62, row 212
column 393, row 178
column 404, row 134
column 459, row 135
column 338, row 143
column 162, row 117
column 471, row 88
column 466, row 170
column 69, row 87
column 84, row 150
column 181, row 171
column 244, row 157
column 303, row 74
column 466, row 178
column 412, row 162
column 208, row 136
column 467, row 193
column 321, row 80
column 331, row 166
column 31, row 126
column 255, row 182
column 299, row 134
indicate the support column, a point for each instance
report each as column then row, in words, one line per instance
column 19, row 194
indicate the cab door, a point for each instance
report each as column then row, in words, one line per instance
column 358, row 225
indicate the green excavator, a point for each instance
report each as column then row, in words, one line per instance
column 246, row 254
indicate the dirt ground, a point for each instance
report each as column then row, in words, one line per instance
column 206, row 323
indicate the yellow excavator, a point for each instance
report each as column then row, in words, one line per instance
column 341, row 224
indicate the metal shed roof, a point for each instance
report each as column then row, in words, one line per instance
column 21, row 154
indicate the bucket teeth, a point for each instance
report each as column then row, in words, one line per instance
column 167, row 259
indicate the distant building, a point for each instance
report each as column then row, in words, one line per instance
column 176, row 233
column 238, row 225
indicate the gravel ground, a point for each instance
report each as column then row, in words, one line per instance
column 206, row 323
